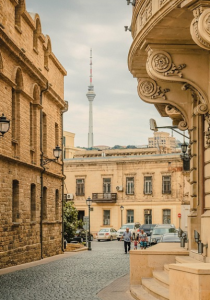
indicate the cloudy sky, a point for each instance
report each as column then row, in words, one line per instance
column 120, row 117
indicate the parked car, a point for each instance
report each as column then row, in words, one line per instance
column 106, row 234
column 170, row 238
column 159, row 230
column 133, row 227
column 80, row 236
column 147, row 228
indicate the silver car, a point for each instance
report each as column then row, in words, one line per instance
column 108, row 234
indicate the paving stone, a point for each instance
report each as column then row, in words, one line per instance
column 80, row 276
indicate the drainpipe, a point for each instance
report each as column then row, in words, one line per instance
column 43, row 168
column 65, row 109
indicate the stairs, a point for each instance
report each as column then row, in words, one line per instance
column 157, row 287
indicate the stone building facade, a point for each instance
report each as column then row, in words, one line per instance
column 148, row 184
column 169, row 57
column 31, row 96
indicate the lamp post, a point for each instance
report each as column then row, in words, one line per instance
column 4, row 125
column 122, row 208
column 89, row 202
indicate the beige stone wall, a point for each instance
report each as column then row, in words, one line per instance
column 118, row 168
column 23, row 74
column 69, row 148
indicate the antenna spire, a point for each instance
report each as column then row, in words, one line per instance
column 91, row 68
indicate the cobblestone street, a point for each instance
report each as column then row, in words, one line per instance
column 79, row 277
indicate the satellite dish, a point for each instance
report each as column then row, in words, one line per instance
column 153, row 125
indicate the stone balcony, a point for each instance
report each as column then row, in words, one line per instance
column 104, row 197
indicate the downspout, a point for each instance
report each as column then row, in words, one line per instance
column 65, row 109
column 43, row 168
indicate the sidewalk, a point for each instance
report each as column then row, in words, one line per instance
column 118, row 290
column 36, row 263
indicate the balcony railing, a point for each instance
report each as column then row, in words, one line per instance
column 104, row 197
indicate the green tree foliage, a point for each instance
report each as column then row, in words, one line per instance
column 70, row 217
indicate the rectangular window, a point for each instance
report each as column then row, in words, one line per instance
column 106, row 217
column 148, row 185
column 166, row 216
column 56, row 204
column 15, row 201
column 44, row 134
column 130, row 185
column 130, row 216
column 33, row 202
column 106, row 185
column 80, row 187
column 56, row 135
column 44, row 203
column 166, row 184
column 147, row 216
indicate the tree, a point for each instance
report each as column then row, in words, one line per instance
column 70, row 218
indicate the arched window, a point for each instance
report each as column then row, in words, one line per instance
column 57, row 204
column 33, row 202
column 19, row 9
column 56, row 135
column 15, row 201
column 44, row 203
column 16, row 112
column 33, row 124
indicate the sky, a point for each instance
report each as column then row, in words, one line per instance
column 120, row 117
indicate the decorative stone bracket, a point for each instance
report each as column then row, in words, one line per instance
column 200, row 27
column 151, row 90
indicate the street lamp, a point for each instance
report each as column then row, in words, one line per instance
column 4, row 125
column 185, row 157
column 122, row 208
column 56, row 152
column 89, row 202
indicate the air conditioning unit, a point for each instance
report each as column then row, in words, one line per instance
column 119, row 188
column 70, row 196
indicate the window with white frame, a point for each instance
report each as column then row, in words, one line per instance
column 148, row 185
column 130, row 185
column 166, row 185
column 106, row 185
column 106, row 217
column 80, row 187
column 130, row 216
column 166, row 216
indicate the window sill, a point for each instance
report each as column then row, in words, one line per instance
column 16, row 223
column 18, row 29
column 129, row 194
column 51, row 222
column 33, row 223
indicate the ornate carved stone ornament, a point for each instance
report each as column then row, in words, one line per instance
column 200, row 27
column 149, row 88
column 177, row 116
column 202, row 107
column 207, row 118
column 160, row 63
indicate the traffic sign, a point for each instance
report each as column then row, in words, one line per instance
column 85, row 219
column 179, row 215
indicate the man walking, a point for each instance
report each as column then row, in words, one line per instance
column 127, row 240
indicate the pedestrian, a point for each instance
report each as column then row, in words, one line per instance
column 143, row 239
column 135, row 244
column 127, row 240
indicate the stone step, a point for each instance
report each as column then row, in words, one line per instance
column 139, row 293
column 162, row 277
column 166, row 268
column 155, row 289
column 185, row 260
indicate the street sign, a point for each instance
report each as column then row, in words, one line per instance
column 86, row 219
column 86, row 226
column 179, row 215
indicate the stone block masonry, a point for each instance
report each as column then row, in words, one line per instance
column 27, row 67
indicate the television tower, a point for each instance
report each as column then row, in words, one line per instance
column 90, row 95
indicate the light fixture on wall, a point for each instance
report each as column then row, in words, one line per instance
column 133, row 2
column 127, row 28
column 4, row 125
column 185, row 157
column 56, row 152
column 196, row 236
column 201, row 246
